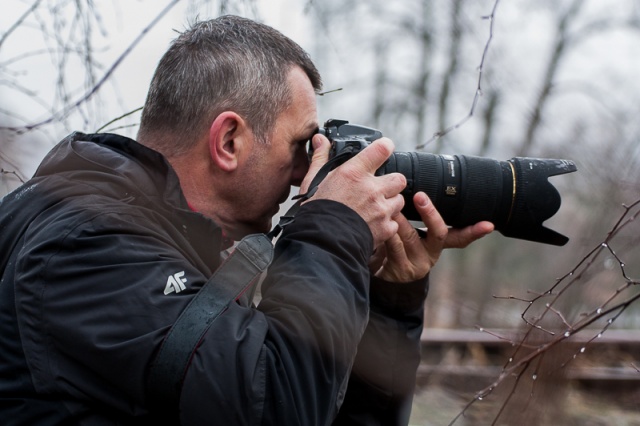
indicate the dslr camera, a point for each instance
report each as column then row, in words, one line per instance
column 515, row 195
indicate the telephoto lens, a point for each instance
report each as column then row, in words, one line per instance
column 515, row 195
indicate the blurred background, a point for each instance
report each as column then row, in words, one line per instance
column 498, row 79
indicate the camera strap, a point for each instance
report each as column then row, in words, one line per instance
column 237, row 274
column 289, row 216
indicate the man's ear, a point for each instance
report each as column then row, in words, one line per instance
column 227, row 136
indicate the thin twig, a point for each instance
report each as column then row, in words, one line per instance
column 20, row 20
column 61, row 114
column 478, row 94
column 118, row 119
column 11, row 172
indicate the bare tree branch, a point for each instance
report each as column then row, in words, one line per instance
column 609, row 310
column 19, row 22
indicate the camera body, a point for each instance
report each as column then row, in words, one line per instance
column 348, row 137
column 514, row 195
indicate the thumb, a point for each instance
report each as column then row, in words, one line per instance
column 321, row 148
column 373, row 156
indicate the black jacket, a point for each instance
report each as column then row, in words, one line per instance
column 100, row 255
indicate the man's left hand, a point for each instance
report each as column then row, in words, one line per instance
column 406, row 257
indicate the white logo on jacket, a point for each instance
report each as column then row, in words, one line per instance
column 175, row 283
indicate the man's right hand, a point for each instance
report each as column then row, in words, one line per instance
column 376, row 199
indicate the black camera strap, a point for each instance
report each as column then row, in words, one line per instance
column 237, row 274
column 289, row 216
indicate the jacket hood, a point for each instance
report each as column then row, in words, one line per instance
column 112, row 166
column 114, row 163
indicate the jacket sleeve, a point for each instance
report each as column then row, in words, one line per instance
column 382, row 382
column 288, row 362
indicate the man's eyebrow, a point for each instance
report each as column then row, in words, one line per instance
column 309, row 130
column 313, row 128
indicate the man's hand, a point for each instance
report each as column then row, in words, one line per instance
column 401, row 255
column 376, row 199
column 406, row 257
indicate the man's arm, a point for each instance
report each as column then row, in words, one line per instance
column 382, row 383
column 288, row 361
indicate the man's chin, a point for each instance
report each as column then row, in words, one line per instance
column 258, row 228
column 241, row 230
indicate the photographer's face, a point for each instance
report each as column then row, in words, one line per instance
column 274, row 167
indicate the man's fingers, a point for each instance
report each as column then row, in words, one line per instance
column 394, row 248
column 392, row 185
column 461, row 238
column 438, row 230
column 370, row 159
column 440, row 234
column 373, row 156
column 409, row 257
column 407, row 233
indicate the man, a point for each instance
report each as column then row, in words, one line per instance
column 110, row 241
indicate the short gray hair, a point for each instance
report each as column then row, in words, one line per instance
column 228, row 63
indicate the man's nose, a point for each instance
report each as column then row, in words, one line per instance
column 300, row 166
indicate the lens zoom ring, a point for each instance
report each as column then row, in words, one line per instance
column 428, row 175
column 482, row 187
